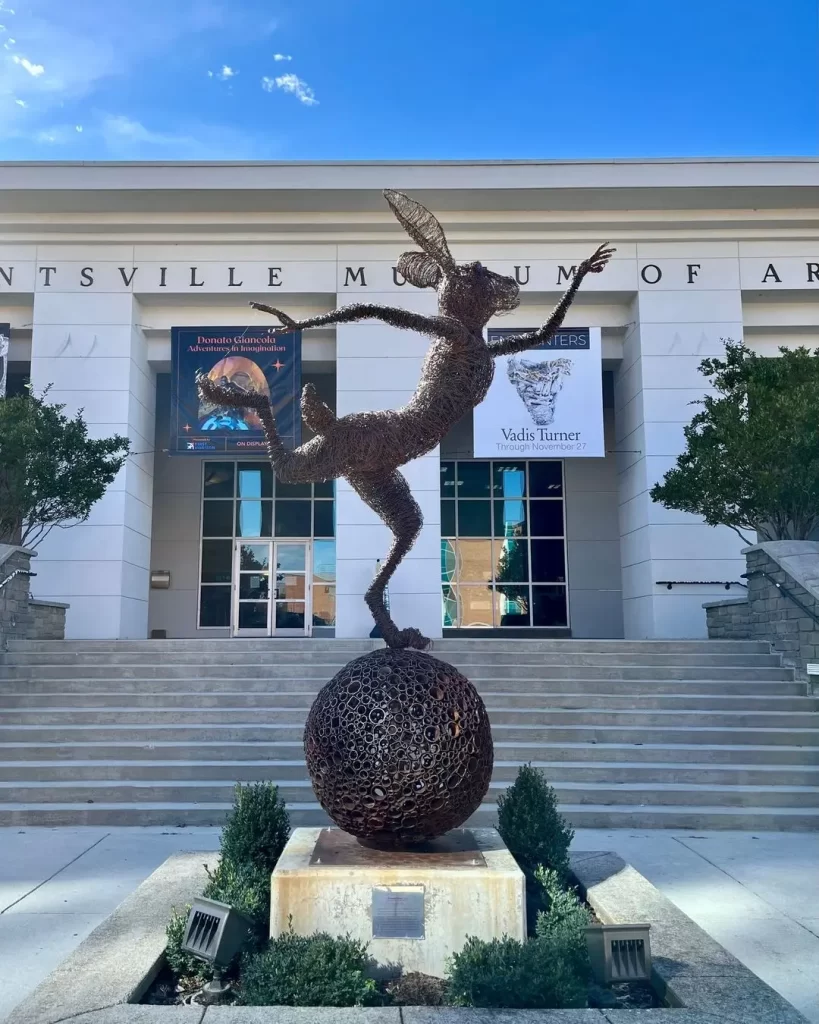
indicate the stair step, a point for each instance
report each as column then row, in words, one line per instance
column 350, row 648
column 330, row 659
column 25, row 703
column 213, row 792
column 277, row 671
column 282, row 770
column 309, row 813
column 499, row 715
column 48, row 688
column 524, row 731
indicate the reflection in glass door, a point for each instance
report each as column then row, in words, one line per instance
column 272, row 588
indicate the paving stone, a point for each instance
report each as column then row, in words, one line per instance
column 736, row 997
column 470, row 1015
column 129, row 1014
column 303, row 1015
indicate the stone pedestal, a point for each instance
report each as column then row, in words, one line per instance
column 414, row 908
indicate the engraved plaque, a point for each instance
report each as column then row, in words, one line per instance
column 398, row 912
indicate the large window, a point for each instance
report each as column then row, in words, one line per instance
column 243, row 499
column 503, row 549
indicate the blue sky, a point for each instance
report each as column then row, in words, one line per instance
column 427, row 79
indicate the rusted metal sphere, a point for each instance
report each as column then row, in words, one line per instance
column 399, row 748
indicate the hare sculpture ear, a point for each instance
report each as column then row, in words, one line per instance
column 422, row 227
column 419, row 269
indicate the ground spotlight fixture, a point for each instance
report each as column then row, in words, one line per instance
column 215, row 933
column 619, row 952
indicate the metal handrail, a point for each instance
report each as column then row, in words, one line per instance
column 17, row 572
column 779, row 587
column 701, row 583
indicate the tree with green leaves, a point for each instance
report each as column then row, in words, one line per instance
column 51, row 471
column 752, row 452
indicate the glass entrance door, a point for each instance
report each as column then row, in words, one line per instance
column 272, row 588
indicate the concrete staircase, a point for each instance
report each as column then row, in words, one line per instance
column 692, row 734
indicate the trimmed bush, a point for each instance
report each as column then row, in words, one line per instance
column 314, row 970
column 244, row 887
column 182, row 964
column 251, row 843
column 531, row 825
column 257, row 828
column 561, row 934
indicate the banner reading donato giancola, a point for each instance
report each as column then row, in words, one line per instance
column 546, row 402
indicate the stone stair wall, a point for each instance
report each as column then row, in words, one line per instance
column 781, row 606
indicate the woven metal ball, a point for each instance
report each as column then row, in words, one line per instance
column 399, row 748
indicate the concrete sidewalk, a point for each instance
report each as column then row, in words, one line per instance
column 756, row 894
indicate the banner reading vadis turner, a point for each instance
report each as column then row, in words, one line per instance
column 254, row 359
column 544, row 403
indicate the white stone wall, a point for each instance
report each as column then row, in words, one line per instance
column 90, row 348
column 674, row 326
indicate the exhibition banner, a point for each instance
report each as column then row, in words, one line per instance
column 252, row 358
column 544, row 403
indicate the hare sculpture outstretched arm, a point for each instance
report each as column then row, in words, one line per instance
column 367, row 448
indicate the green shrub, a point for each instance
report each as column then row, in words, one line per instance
column 561, row 932
column 251, row 842
column 257, row 827
column 182, row 964
column 244, row 887
column 314, row 970
column 531, row 825
column 518, row 975
column 550, row 971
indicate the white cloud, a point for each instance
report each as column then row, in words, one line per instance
column 292, row 84
column 35, row 70
column 77, row 127
column 210, row 74
column 282, row 56
column 226, row 73
column 21, row 103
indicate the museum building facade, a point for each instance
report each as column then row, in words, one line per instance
column 537, row 514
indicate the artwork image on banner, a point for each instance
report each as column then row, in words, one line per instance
column 253, row 359
column 545, row 403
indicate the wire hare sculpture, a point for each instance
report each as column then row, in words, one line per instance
column 368, row 448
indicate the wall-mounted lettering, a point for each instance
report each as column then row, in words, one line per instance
column 274, row 277
column 518, row 277
column 395, row 276
column 564, row 275
column 48, row 272
column 813, row 272
column 194, row 283
column 127, row 280
column 771, row 272
column 693, row 271
column 656, row 273
column 7, row 275
column 356, row 275
column 231, row 282
column 162, row 272
column 86, row 277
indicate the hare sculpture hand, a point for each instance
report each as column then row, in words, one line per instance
column 367, row 448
